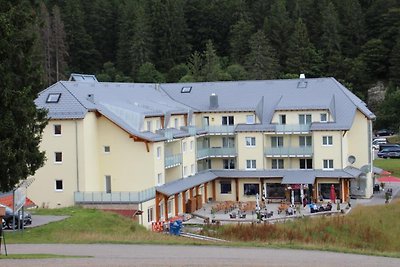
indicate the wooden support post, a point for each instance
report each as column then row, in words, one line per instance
column 191, row 193
column 157, row 206
column 237, row 189
column 165, row 208
column 197, row 190
column 176, row 201
column 214, row 191
column 183, row 193
column 205, row 193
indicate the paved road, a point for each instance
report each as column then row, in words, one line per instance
column 156, row 255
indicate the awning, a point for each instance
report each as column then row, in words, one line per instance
column 184, row 184
column 298, row 177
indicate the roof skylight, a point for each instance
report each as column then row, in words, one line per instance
column 53, row 98
column 186, row 89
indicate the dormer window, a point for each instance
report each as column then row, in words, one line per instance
column 53, row 98
column 324, row 117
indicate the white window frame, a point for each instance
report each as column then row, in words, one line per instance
column 305, row 119
column 149, row 126
column 323, row 119
column 55, row 185
column 159, row 179
column 176, row 123
column 158, row 152
column 250, row 119
column 250, row 141
column 185, row 171
column 229, row 163
column 150, row 214
column 54, row 129
column 158, row 125
column 279, row 164
column 55, row 157
column 192, row 171
column 327, row 164
column 327, row 140
column 191, row 145
column 228, row 120
column 277, row 141
column 282, row 119
column 184, row 147
column 251, row 164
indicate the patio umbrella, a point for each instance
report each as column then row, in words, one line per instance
column 333, row 194
column 389, row 179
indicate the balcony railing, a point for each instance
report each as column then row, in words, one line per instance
column 220, row 129
column 289, row 151
column 173, row 160
column 115, row 197
column 216, row 152
column 292, row 128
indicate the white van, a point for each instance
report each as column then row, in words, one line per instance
column 376, row 142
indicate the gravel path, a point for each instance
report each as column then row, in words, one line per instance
column 157, row 255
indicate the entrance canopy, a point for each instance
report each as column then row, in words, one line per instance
column 299, row 177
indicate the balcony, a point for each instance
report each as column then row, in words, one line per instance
column 220, row 129
column 114, row 197
column 214, row 152
column 172, row 161
column 292, row 128
column 306, row 151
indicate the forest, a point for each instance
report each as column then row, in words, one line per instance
column 355, row 41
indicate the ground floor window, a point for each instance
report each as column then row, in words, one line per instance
column 275, row 190
column 325, row 190
column 149, row 214
column 251, row 189
column 226, row 187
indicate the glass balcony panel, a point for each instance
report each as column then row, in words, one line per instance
column 289, row 151
column 173, row 160
column 220, row 129
column 216, row 152
column 115, row 197
column 303, row 128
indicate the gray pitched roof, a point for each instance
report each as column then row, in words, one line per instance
column 320, row 94
column 127, row 104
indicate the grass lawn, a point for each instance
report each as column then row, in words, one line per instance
column 391, row 165
column 366, row 230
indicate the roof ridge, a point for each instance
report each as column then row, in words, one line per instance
column 73, row 95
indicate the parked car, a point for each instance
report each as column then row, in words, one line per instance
column 389, row 152
column 8, row 218
column 384, row 132
column 387, row 145
column 378, row 141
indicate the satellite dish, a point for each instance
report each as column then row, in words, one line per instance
column 351, row 159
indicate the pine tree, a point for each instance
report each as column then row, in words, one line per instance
column 141, row 43
column 60, row 46
column 239, row 40
column 375, row 55
column 278, row 29
column 395, row 63
column 21, row 123
column 302, row 55
column 45, row 33
column 261, row 62
column 211, row 70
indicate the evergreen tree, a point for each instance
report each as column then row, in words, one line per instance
column 375, row 55
column 239, row 40
column 141, row 43
column 177, row 72
column 60, row 46
column 330, row 40
column 237, row 72
column 352, row 29
column 46, row 43
column 195, row 64
column 83, row 55
column 169, row 29
column 148, row 73
column 21, row 124
column 278, row 29
column 261, row 62
column 211, row 69
column 395, row 63
column 302, row 55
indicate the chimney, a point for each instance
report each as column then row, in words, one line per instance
column 302, row 76
column 90, row 98
column 213, row 101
